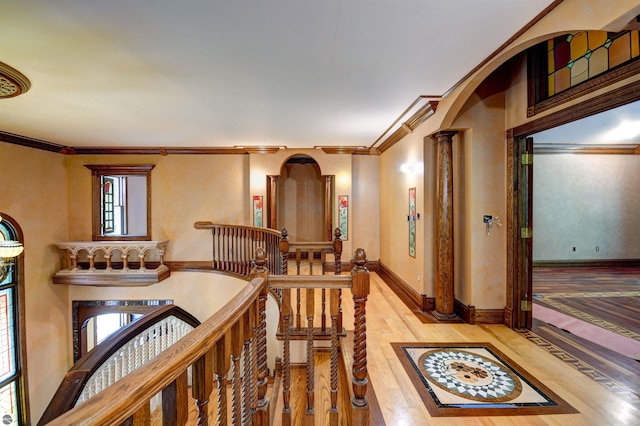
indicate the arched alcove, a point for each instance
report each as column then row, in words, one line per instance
column 301, row 199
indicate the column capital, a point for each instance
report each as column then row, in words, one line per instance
column 444, row 135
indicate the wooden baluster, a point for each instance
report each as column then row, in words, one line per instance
column 260, row 271
column 298, row 260
column 310, row 296
column 214, row 233
column 283, row 246
column 221, row 367
column 360, row 289
column 253, row 318
column 175, row 401
column 298, row 316
column 286, row 357
column 236, row 351
column 334, row 300
column 202, row 374
column 247, row 374
column 227, row 244
column 142, row 417
column 310, row 260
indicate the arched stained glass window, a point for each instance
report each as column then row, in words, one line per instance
column 13, row 399
column 577, row 57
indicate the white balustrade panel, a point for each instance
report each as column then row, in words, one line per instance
column 138, row 351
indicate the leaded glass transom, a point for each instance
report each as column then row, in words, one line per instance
column 577, row 57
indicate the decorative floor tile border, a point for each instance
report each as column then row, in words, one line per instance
column 474, row 379
column 583, row 367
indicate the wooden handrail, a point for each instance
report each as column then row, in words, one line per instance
column 235, row 338
column 128, row 396
column 233, row 247
column 77, row 377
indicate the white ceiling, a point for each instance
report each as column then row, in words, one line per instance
column 205, row 73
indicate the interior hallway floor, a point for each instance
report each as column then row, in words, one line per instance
column 389, row 320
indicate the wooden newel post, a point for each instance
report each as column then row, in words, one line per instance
column 337, row 251
column 261, row 416
column 359, row 381
column 283, row 246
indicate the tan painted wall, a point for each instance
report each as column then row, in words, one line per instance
column 365, row 205
column 586, row 201
column 479, row 167
column 481, row 185
column 185, row 189
column 34, row 193
column 394, row 209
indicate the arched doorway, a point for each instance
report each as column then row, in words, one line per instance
column 301, row 199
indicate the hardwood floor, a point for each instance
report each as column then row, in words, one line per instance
column 578, row 382
column 389, row 320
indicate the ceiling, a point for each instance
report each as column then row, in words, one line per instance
column 205, row 73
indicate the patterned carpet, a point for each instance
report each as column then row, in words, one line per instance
column 462, row 379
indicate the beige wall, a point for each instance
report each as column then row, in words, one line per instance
column 34, row 193
column 481, row 112
column 394, row 209
column 586, row 201
column 185, row 189
column 365, row 206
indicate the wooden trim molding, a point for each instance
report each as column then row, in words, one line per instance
column 613, row 99
column 595, row 83
column 588, row 263
column 405, row 292
column 587, row 149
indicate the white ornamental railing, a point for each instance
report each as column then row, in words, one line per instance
column 137, row 352
column 113, row 263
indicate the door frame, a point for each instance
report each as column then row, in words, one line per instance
column 519, row 260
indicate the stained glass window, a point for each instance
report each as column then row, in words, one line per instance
column 10, row 372
column 577, row 57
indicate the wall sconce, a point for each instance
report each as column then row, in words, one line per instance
column 407, row 168
column 9, row 249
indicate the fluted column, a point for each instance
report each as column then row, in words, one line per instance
column 444, row 226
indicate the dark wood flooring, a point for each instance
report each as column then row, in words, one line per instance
column 611, row 295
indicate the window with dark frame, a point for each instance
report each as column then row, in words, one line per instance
column 12, row 381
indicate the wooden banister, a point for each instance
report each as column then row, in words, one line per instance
column 130, row 396
column 77, row 377
column 231, row 346
column 306, row 286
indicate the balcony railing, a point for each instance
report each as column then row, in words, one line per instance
column 227, row 356
column 113, row 263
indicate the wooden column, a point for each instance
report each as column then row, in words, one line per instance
column 328, row 205
column 272, row 202
column 444, row 226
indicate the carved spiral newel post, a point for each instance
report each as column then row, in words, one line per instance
column 359, row 381
column 260, row 270
column 337, row 270
column 283, row 246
